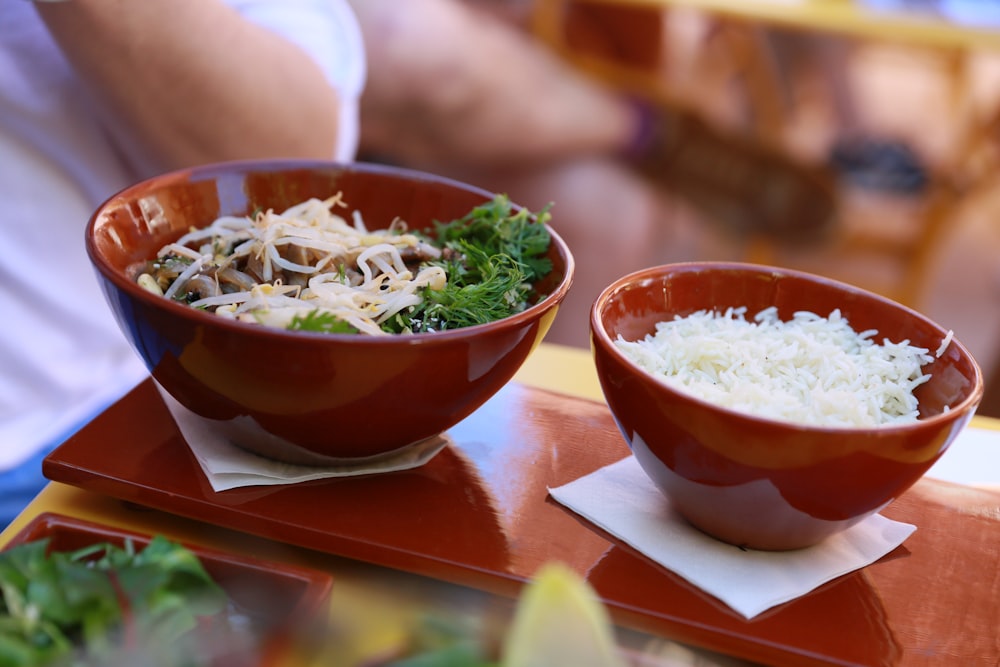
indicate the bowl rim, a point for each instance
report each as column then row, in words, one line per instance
column 600, row 338
column 196, row 316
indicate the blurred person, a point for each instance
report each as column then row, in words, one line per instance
column 96, row 95
column 455, row 89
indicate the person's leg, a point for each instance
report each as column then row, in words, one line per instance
column 879, row 163
column 860, row 159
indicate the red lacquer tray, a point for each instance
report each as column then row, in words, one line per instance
column 479, row 515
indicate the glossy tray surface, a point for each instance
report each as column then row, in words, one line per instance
column 275, row 597
column 479, row 514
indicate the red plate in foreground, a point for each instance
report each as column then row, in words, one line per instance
column 276, row 599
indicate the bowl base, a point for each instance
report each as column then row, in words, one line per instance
column 271, row 447
column 757, row 515
column 208, row 437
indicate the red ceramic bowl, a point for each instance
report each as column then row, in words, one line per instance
column 757, row 482
column 296, row 396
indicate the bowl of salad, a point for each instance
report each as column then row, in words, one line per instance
column 316, row 312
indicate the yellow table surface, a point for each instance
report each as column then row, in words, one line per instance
column 372, row 605
column 850, row 18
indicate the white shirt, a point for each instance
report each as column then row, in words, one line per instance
column 62, row 356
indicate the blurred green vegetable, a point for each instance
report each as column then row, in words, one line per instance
column 101, row 604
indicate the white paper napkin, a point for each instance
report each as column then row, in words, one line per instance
column 228, row 466
column 622, row 500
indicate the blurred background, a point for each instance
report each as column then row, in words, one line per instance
column 893, row 102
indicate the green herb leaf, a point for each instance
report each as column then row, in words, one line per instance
column 320, row 321
column 81, row 607
column 493, row 255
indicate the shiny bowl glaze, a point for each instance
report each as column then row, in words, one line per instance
column 757, row 482
column 296, row 396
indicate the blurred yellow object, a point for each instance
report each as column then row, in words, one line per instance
column 560, row 621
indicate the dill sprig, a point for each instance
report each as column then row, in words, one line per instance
column 497, row 229
column 320, row 321
column 492, row 256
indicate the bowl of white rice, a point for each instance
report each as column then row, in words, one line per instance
column 775, row 407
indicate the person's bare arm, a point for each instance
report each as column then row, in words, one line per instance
column 448, row 83
column 191, row 81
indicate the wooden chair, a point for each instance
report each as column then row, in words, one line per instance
column 623, row 43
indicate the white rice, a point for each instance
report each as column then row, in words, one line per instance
column 809, row 370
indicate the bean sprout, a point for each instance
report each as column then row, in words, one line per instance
column 304, row 260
